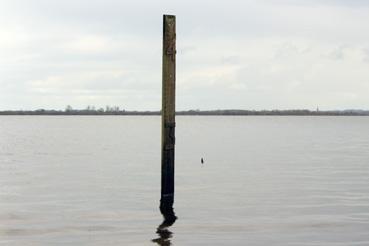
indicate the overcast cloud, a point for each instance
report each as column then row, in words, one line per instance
column 230, row 54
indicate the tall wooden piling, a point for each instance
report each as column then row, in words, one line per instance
column 168, row 117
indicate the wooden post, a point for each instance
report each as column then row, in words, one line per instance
column 168, row 117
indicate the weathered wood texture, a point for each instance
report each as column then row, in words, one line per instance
column 168, row 112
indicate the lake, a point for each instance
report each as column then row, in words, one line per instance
column 95, row 180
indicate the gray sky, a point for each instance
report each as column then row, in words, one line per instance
column 230, row 54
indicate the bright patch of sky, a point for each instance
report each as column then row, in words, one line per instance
column 230, row 54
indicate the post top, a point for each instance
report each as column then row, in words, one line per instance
column 169, row 16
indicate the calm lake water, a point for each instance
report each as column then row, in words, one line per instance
column 90, row 180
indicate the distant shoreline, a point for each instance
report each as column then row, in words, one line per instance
column 230, row 112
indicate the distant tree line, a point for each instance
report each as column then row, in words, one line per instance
column 295, row 112
column 115, row 110
column 91, row 110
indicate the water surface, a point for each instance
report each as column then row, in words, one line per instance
column 92, row 180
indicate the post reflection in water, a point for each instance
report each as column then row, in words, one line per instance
column 164, row 233
column 164, row 237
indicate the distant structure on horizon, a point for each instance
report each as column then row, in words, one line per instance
column 118, row 111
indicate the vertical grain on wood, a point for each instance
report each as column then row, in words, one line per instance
column 168, row 111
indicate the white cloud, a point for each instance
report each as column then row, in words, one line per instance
column 236, row 54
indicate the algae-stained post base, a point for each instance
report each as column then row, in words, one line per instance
column 168, row 118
